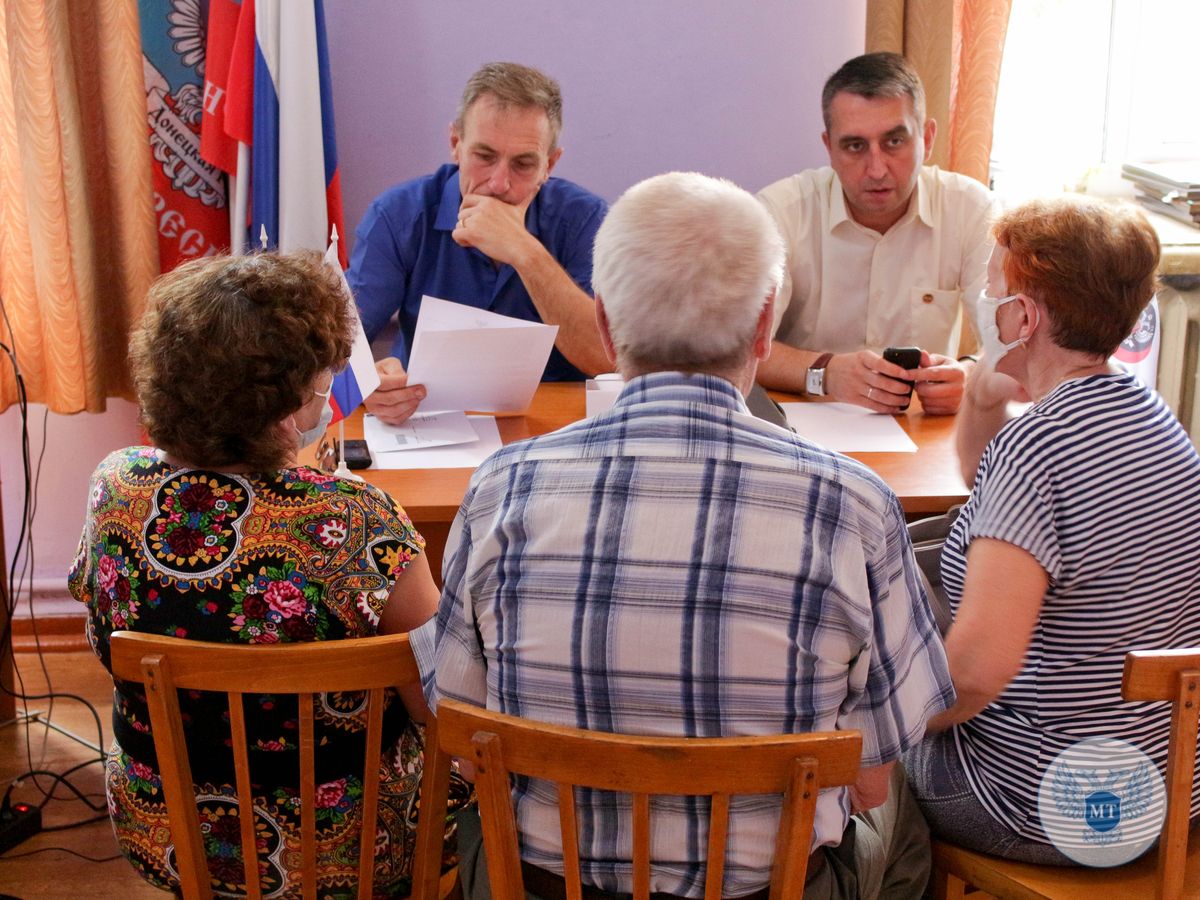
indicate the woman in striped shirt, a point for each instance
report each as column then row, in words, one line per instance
column 1081, row 538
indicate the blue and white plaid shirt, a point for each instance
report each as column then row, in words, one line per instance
column 676, row 566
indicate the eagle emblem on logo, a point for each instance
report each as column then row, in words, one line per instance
column 1101, row 799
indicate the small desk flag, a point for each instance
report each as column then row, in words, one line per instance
column 358, row 380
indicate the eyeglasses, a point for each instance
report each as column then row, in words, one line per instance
column 327, row 454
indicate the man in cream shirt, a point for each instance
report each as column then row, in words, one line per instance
column 882, row 250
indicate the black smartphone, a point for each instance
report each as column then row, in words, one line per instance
column 905, row 358
column 357, row 455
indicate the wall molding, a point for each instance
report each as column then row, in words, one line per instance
column 58, row 623
column 54, row 634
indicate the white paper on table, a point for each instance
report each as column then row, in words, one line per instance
column 848, row 428
column 456, row 456
column 421, row 430
column 470, row 358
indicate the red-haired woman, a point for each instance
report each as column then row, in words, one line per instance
column 1080, row 540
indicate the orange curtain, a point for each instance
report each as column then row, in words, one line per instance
column 956, row 46
column 77, row 232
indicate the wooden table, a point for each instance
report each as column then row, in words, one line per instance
column 927, row 482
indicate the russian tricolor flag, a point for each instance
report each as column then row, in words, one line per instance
column 274, row 98
column 280, row 103
column 359, row 379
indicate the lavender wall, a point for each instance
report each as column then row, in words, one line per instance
column 74, row 445
column 719, row 86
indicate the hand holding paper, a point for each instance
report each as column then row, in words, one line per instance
column 472, row 359
column 394, row 400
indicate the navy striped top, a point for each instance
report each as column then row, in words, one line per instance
column 1101, row 485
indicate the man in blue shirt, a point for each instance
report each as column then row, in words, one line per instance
column 493, row 231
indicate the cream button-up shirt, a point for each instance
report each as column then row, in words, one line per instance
column 847, row 287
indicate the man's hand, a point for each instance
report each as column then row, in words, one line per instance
column 493, row 227
column 867, row 379
column 871, row 787
column 394, row 400
column 939, row 384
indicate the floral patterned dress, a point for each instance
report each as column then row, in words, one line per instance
column 291, row 555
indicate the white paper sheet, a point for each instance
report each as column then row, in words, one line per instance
column 473, row 359
column 457, row 456
column 422, row 430
column 848, row 428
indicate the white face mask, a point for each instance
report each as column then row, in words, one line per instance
column 993, row 348
column 311, row 435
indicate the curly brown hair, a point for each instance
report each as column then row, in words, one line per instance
column 229, row 346
column 1090, row 262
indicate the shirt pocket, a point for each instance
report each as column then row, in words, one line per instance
column 935, row 319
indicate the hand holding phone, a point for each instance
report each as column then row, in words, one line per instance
column 905, row 358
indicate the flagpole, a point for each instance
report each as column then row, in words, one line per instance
column 241, row 201
column 342, row 470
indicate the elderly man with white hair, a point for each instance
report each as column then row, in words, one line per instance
column 678, row 566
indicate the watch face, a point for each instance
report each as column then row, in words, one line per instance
column 815, row 382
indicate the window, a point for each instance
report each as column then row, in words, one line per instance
column 1088, row 84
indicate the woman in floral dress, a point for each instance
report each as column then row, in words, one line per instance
column 216, row 534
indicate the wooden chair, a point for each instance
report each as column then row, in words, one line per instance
column 1172, row 675
column 499, row 745
column 165, row 664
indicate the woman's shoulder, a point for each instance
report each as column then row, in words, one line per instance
column 130, row 457
column 1087, row 426
column 130, row 468
column 314, row 483
column 304, row 483
column 1082, row 409
column 1088, row 412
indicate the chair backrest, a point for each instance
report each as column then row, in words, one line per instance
column 796, row 766
column 165, row 665
column 1172, row 675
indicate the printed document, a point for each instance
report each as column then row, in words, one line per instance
column 452, row 456
column 472, row 359
column 422, row 430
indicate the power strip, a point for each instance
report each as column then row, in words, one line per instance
column 18, row 822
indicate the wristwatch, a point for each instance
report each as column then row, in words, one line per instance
column 814, row 381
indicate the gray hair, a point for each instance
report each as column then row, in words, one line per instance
column 876, row 75
column 683, row 264
column 513, row 84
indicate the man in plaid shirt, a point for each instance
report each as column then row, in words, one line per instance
column 677, row 566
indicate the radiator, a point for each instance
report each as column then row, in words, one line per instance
column 1178, row 374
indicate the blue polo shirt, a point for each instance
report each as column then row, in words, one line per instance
column 404, row 250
